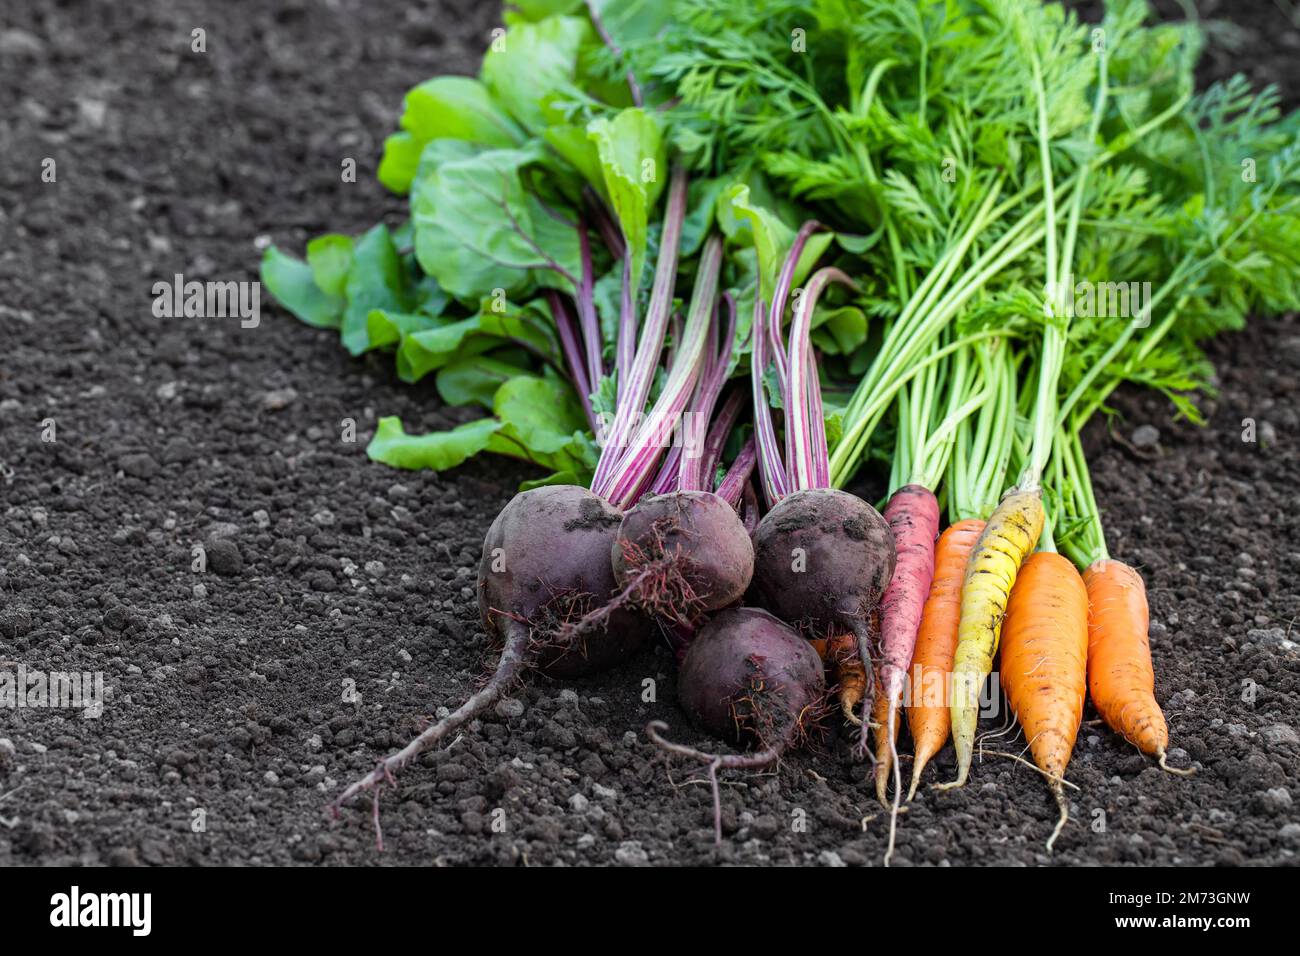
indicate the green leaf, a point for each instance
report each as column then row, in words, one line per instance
column 529, row 326
column 771, row 237
column 540, row 9
column 458, row 107
column 388, row 328
column 478, row 229
column 290, row 281
column 577, row 149
column 541, row 413
column 330, row 258
column 430, row 298
column 604, row 399
column 625, row 22
column 701, row 203
column 475, row 379
column 437, row 450
column 376, row 280
column 400, row 161
column 632, row 163
column 533, row 64
column 839, row 331
column 445, row 107
column 423, row 352
column 559, row 478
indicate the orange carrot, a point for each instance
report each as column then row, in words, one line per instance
column 1044, row 664
column 880, row 709
column 842, row 653
column 1121, row 681
column 928, row 713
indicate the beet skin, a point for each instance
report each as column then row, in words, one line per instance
column 750, row 679
column 822, row 560
column 546, row 561
column 699, row 541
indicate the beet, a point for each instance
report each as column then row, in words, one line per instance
column 687, row 552
column 822, row 560
column 676, row 557
column 750, row 679
column 546, row 562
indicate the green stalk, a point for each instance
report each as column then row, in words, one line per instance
column 1055, row 333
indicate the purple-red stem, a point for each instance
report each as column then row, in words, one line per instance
column 776, row 315
column 572, row 353
column 609, row 230
column 696, row 474
column 625, row 348
column 736, row 480
column 636, row 469
column 771, row 469
column 669, row 473
column 633, row 392
column 587, row 311
column 717, row 439
column 750, row 513
column 804, row 391
column 821, row 453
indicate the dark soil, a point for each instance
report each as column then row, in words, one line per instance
column 231, row 721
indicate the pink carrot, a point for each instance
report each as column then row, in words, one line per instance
column 913, row 517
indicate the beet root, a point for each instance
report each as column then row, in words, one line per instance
column 750, row 679
column 822, row 560
column 686, row 554
column 545, row 563
column 676, row 557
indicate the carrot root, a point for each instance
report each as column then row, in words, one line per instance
column 1176, row 771
column 1044, row 664
column 936, row 642
column 1059, row 792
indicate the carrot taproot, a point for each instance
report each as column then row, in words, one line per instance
column 913, row 517
column 842, row 653
column 884, row 745
column 1044, row 664
column 927, row 714
column 1121, row 681
column 1011, row 533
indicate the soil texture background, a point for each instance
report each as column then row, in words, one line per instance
column 231, row 720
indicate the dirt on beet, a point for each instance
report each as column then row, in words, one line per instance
column 337, row 608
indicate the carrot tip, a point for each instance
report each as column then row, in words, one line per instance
column 1176, row 771
column 1059, row 792
column 916, row 780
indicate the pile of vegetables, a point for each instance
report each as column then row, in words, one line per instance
column 706, row 264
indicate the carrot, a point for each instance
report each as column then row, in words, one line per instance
column 913, row 516
column 1121, row 681
column 1011, row 533
column 927, row 715
column 886, row 743
column 841, row 651
column 1044, row 664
